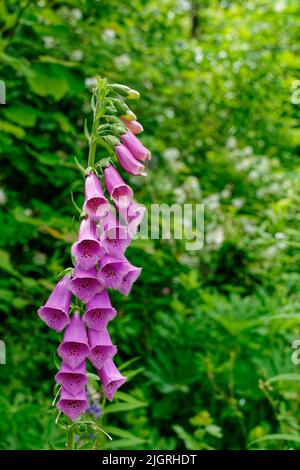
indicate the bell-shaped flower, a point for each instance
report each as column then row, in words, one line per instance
column 129, row 278
column 115, row 237
column 118, row 190
column 101, row 347
column 87, row 250
column 134, row 126
column 111, row 379
column 74, row 348
column 72, row 406
column 128, row 162
column 72, row 380
column 85, row 283
column 136, row 148
column 55, row 312
column 99, row 311
column 95, row 203
column 111, row 271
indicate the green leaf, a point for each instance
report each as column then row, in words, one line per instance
column 46, row 81
column 284, row 378
column 21, row 114
column 276, row 437
column 92, row 376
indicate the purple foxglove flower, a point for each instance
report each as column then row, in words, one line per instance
column 136, row 148
column 129, row 278
column 74, row 349
column 119, row 192
column 128, row 162
column 72, row 380
column 99, row 311
column 101, row 347
column 132, row 216
column 111, row 379
column 85, row 284
column 134, row 126
column 115, row 237
column 72, row 406
column 111, row 271
column 87, row 250
column 95, row 203
column 55, row 312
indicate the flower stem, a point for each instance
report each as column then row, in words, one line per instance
column 93, row 142
column 70, row 439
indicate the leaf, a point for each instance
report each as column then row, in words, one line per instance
column 284, row 377
column 56, row 361
column 276, row 437
column 128, row 363
column 47, row 82
column 21, row 114
column 92, row 376
column 5, row 264
column 12, row 129
column 123, row 443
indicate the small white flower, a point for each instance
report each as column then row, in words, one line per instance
column 122, row 61
column 90, row 82
column 108, row 35
column 76, row 55
column 49, row 42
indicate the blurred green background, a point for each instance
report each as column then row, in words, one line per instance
column 212, row 330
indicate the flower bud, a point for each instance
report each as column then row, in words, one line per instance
column 125, row 91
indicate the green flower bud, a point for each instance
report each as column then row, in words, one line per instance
column 125, row 91
column 130, row 116
column 133, row 95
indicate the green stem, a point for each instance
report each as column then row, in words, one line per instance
column 70, row 439
column 93, row 142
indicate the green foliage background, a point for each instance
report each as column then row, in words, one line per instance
column 212, row 329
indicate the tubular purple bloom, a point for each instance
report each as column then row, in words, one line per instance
column 55, row 312
column 99, row 311
column 134, row 126
column 85, row 283
column 95, row 203
column 74, row 349
column 128, row 162
column 119, row 191
column 72, row 380
column 72, row 406
column 115, row 237
column 136, row 148
column 87, row 250
column 101, row 347
column 129, row 278
column 111, row 271
column 111, row 379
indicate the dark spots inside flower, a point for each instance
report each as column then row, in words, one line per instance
column 112, row 242
column 73, row 350
column 98, row 353
column 73, row 379
column 73, row 404
column 109, row 273
column 97, row 314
